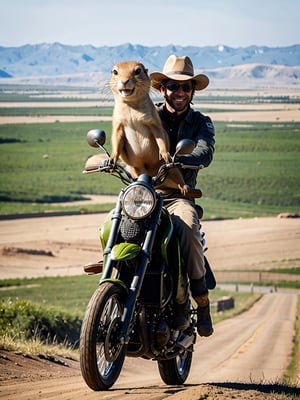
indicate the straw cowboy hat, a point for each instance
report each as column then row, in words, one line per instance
column 179, row 69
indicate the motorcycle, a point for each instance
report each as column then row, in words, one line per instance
column 131, row 312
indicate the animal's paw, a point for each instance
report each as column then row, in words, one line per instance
column 187, row 191
column 166, row 157
column 107, row 164
column 184, row 189
column 113, row 160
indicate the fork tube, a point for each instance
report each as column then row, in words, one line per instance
column 112, row 238
column 138, row 278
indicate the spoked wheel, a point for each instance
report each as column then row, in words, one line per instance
column 176, row 370
column 101, row 353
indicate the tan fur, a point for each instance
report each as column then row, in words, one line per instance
column 138, row 136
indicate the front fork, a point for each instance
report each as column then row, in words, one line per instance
column 143, row 259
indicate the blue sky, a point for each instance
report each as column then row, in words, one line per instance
column 150, row 23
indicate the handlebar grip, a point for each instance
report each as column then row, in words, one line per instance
column 195, row 167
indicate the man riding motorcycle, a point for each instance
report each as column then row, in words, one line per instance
column 178, row 83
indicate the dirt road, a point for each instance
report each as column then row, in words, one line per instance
column 242, row 353
column 250, row 348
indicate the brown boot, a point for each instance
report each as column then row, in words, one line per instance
column 181, row 321
column 204, row 323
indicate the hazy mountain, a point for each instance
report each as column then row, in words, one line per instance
column 81, row 64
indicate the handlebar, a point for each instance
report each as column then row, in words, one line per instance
column 163, row 171
column 119, row 171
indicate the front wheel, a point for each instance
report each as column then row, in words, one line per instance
column 101, row 354
column 176, row 370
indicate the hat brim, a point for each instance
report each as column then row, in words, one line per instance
column 201, row 81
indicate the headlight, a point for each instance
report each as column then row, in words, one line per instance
column 138, row 201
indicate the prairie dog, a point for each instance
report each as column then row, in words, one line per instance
column 138, row 136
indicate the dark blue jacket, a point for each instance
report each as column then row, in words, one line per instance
column 197, row 127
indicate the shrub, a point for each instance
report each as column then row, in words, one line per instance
column 24, row 320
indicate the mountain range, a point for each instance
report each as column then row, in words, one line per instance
column 56, row 63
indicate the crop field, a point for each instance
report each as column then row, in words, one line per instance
column 255, row 169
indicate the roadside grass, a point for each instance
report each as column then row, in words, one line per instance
column 70, row 294
column 293, row 370
column 35, row 346
column 50, row 310
column 242, row 303
column 26, row 321
column 44, row 314
column 254, row 172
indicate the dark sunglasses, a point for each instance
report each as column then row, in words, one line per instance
column 174, row 86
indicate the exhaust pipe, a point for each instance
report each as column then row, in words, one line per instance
column 186, row 341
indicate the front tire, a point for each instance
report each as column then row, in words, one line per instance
column 101, row 354
column 176, row 370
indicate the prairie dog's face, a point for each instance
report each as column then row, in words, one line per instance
column 129, row 78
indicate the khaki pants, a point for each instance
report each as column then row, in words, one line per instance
column 186, row 223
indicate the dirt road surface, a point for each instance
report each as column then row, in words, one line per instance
column 243, row 358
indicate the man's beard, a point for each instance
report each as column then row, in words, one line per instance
column 177, row 108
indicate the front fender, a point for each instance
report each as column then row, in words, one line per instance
column 124, row 251
column 116, row 281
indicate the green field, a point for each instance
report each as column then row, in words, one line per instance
column 57, row 111
column 255, row 169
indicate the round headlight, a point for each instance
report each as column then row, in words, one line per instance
column 138, row 202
